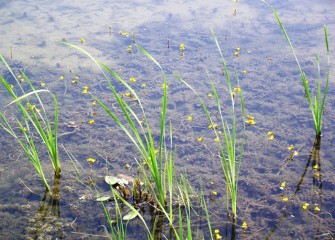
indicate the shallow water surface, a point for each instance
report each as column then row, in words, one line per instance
column 272, row 91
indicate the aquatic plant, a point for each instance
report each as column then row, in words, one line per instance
column 316, row 104
column 33, row 119
column 229, row 158
column 140, row 131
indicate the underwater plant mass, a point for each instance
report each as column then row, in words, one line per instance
column 167, row 120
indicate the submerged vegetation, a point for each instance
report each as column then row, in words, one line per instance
column 176, row 207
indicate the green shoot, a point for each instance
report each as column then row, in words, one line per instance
column 316, row 104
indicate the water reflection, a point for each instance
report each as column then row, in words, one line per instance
column 47, row 220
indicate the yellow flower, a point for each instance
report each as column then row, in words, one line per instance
column 91, row 121
column 316, row 166
column 82, row 40
column 305, row 206
column 217, row 139
column 210, row 95
column 213, row 126
column 244, row 71
column 216, row 231
column 156, row 151
column 271, row 136
column 144, row 85
column 61, row 78
column 251, row 122
column 189, row 118
column 295, row 153
column 200, row 139
column 218, row 237
column 236, row 54
column 127, row 166
column 237, row 89
column 182, row 47
column 238, row 49
column 24, row 130
column 244, row 225
column 283, row 185
column 290, row 148
column 129, row 48
column 316, row 207
column 90, row 160
column 11, row 86
column 285, row 199
column 214, row 193
column 94, row 103
column 132, row 80
column 85, row 90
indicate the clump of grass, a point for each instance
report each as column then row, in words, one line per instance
column 33, row 120
column 140, row 132
column 229, row 158
column 316, row 103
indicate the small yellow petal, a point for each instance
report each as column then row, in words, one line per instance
column 91, row 160
column 285, row 199
column 290, row 148
column 200, row 139
column 217, row 139
column 61, row 78
column 132, row 80
column 182, row 47
column 244, row 225
column 82, row 40
column 305, row 206
column 210, row 95
column 91, row 121
column 127, row 166
column 189, row 118
column 214, row 193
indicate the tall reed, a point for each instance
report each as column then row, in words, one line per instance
column 316, row 103
column 33, row 120
column 230, row 159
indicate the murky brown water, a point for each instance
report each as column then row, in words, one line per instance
column 272, row 90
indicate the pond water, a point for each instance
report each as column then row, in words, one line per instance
column 272, row 90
